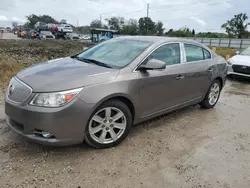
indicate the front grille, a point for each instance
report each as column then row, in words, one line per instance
column 241, row 69
column 49, row 37
column 18, row 91
column 75, row 38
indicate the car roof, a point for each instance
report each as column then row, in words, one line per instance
column 156, row 39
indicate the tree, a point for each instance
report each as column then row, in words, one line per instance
column 14, row 24
column 159, row 28
column 131, row 28
column 146, row 26
column 193, row 32
column 237, row 26
column 96, row 24
column 33, row 19
column 116, row 23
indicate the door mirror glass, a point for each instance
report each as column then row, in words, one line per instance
column 237, row 52
column 153, row 64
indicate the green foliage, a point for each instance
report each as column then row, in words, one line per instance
column 193, row 32
column 82, row 29
column 185, row 32
column 159, row 28
column 237, row 26
column 96, row 24
column 211, row 35
column 146, row 26
column 14, row 24
column 131, row 28
column 116, row 23
column 33, row 19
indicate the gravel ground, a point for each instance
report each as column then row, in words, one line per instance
column 9, row 36
column 188, row 148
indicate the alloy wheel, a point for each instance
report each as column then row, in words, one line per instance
column 214, row 94
column 107, row 125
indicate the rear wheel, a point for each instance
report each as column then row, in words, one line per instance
column 109, row 125
column 212, row 95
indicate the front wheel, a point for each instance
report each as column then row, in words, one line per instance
column 212, row 95
column 109, row 125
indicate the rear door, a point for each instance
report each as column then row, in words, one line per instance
column 198, row 70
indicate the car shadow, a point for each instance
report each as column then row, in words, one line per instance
column 239, row 79
column 27, row 148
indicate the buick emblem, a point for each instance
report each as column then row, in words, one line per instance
column 11, row 89
column 243, row 67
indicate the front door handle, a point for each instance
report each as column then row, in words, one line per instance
column 180, row 77
column 210, row 70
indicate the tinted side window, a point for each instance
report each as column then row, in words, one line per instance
column 169, row 53
column 193, row 53
column 207, row 54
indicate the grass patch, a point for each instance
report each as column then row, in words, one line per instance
column 9, row 67
column 225, row 51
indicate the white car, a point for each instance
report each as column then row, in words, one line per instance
column 65, row 28
column 240, row 64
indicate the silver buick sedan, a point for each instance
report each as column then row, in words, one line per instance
column 97, row 95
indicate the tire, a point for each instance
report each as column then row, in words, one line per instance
column 115, row 130
column 207, row 102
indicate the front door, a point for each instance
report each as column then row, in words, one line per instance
column 162, row 89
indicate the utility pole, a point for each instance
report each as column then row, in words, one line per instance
column 101, row 19
column 147, row 10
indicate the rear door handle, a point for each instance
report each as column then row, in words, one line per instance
column 180, row 77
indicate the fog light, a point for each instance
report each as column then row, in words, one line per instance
column 43, row 134
column 46, row 135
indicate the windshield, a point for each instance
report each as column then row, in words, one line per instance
column 246, row 52
column 116, row 53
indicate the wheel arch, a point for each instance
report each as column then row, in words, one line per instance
column 120, row 97
column 220, row 80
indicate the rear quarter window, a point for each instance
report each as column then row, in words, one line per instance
column 196, row 53
column 207, row 54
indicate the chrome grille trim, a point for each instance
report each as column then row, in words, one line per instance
column 20, row 92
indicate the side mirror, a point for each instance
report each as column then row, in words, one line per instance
column 153, row 64
column 237, row 52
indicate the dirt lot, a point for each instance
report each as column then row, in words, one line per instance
column 189, row 148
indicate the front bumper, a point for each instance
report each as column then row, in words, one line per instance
column 66, row 124
column 232, row 72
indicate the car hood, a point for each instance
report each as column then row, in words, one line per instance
column 65, row 73
column 241, row 60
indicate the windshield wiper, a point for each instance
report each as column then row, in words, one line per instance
column 92, row 61
column 96, row 62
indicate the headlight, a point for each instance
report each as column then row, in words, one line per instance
column 56, row 99
column 229, row 62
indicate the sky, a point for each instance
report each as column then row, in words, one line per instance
column 201, row 15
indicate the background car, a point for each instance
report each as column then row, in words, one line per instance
column 240, row 64
column 100, row 93
column 65, row 28
column 46, row 35
column 72, row 36
column 85, row 37
column 41, row 26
